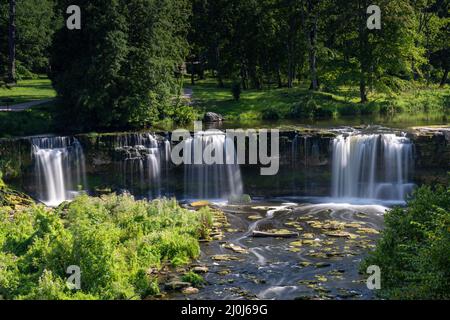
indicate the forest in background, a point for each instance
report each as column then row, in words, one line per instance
column 126, row 64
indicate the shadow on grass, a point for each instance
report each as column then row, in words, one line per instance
column 37, row 120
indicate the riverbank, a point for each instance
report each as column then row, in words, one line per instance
column 301, row 103
column 268, row 108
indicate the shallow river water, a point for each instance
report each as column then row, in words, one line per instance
column 321, row 262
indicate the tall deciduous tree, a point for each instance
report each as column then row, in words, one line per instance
column 12, row 42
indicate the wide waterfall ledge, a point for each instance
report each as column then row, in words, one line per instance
column 362, row 167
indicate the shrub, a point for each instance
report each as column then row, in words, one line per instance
column 349, row 110
column 270, row 113
column 184, row 114
column 114, row 240
column 413, row 253
column 195, row 279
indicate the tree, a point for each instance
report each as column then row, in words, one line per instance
column 310, row 17
column 4, row 24
column 36, row 25
column 12, row 42
column 378, row 59
column 434, row 28
column 119, row 70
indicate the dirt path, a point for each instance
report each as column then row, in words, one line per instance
column 23, row 106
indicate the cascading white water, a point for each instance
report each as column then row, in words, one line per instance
column 59, row 168
column 144, row 159
column 372, row 166
column 208, row 179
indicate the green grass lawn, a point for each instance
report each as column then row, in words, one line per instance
column 255, row 104
column 29, row 90
column 37, row 120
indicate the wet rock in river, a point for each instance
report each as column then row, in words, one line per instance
column 341, row 234
column 255, row 217
column 277, row 233
column 235, row 248
column 200, row 204
column 224, row 257
column 322, row 265
column 367, row 230
column 296, row 243
column 224, row 272
column 321, row 278
column 176, row 285
column 190, row 290
column 200, row 269
column 305, row 264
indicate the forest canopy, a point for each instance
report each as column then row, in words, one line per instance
column 124, row 67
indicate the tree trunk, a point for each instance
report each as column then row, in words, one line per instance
column 290, row 70
column 310, row 21
column 12, row 42
column 313, row 55
column 280, row 82
column 444, row 78
column 362, row 89
column 362, row 51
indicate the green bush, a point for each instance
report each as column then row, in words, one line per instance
column 270, row 113
column 309, row 108
column 183, row 114
column 195, row 279
column 414, row 251
column 114, row 240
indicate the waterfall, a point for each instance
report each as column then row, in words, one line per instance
column 59, row 168
column 143, row 161
column 209, row 179
column 372, row 166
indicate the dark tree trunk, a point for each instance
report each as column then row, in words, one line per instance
column 12, row 42
column 291, row 71
column 310, row 20
column 444, row 78
column 313, row 55
column 362, row 54
column 362, row 89
column 280, row 82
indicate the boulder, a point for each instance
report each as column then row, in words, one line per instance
column 177, row 285
column 213, row 117
column 190, row 290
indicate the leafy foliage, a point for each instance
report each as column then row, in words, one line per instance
column 114, row 240
column 119, row 69
column 413, row 253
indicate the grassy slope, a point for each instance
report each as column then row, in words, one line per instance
column 252, row 104
column 37, row 120
column 29, row 90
